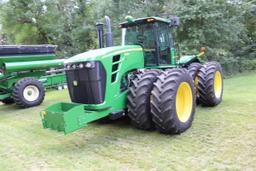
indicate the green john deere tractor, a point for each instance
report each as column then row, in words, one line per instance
column 143, row 78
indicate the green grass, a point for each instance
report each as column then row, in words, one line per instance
column 221, row 138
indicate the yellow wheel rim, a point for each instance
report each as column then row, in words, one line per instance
column 217, row 84
column 184, row 101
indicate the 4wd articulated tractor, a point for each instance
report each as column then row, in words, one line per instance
column 143, row 79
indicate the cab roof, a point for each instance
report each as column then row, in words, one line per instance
column 145, row 20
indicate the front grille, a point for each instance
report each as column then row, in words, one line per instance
column 87, row 85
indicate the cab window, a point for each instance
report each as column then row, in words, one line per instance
column 143, row 35
column 164, row 43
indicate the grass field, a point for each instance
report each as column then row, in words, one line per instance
column 221, row 138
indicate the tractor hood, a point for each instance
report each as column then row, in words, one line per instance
column 98, row 54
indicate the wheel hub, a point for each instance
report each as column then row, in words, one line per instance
column 31, row 93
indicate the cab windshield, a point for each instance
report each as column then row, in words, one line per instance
column 143, row 35
column 155, row 39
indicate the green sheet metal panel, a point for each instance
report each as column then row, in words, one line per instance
column 24, row 58
column 33, row 65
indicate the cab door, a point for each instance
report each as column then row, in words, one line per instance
column 164, row 44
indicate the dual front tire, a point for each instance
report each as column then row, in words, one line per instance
column 173, row 102
column 166, row 100
column 139, row 99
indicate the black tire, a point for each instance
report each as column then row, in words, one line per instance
column 163, row 101
column 206, row 84
column 21, row 86
column 193, row 70
column 8, row 101
column 138, row 102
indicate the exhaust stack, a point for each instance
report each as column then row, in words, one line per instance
column 100, row 33
column 109, row 35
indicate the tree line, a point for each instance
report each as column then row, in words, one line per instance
column 227, row 28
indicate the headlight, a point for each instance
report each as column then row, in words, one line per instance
column 81, row 66
column 68, row 66
column 74, row 66
column 88, row 65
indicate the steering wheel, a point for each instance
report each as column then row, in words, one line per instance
column 140, row 38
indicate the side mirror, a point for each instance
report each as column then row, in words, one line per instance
column 175, row 21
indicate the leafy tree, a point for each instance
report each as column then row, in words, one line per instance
column 61, row 22
column 225, row 27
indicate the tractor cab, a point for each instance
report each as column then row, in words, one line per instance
column 154, row 35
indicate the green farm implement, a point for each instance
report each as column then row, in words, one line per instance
column 25, row 72
column 144, row 78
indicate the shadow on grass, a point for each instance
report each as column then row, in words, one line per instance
column 98, row 137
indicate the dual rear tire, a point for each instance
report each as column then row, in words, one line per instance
column 210, row 84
